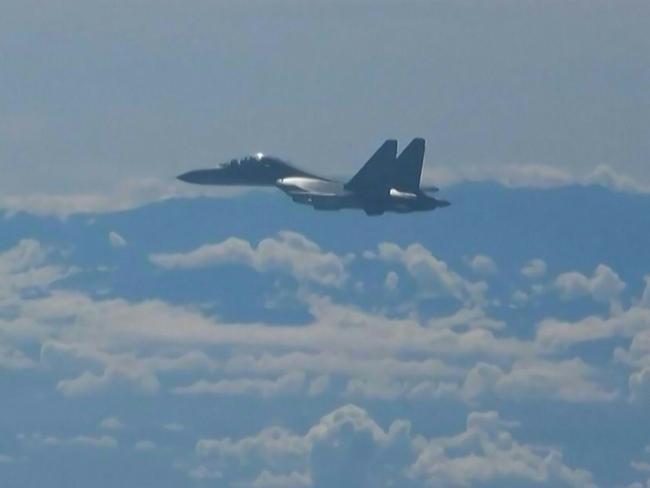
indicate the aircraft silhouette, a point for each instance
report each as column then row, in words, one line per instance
column 386, row 183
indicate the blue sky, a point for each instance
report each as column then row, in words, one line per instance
column 153, row 334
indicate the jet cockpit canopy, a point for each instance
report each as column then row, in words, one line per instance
column 247, row 161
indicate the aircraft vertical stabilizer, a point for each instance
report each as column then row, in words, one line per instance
column 376, row 173
column 408, row 167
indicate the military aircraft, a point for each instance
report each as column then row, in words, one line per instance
column 386, row 183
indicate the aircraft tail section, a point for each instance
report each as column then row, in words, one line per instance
column 408, row 167
column 376, row 173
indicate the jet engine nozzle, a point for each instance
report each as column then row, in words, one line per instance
column 402, row 194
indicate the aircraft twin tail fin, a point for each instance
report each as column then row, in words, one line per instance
column 408, row 168
column 377, row 172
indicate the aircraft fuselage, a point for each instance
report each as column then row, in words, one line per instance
column 384, row 184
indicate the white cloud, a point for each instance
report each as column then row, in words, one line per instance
column 111, row 423
column 116, row 370
column 116, row 240
column 266, row 479
column 24, row 267
column 610, row 178
column 511, row 175
column 274, row 448
column 129, row 194
column 559, row 334
column 27, row 254
column 117, row 323
column 604, row 286
column 483, row 265
column 342, row 364
column 535, row 268
column 564, row 380
column 89, row 383
column 536, row 176
column 339, row 340
column 289, row 252
column 485, row 452
column 341, row 350
column 432, row 275
column 289, row 383
column 39, row 440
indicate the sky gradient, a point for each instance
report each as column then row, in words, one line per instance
column 157, row 335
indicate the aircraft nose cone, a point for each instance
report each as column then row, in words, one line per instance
column 443, row 203
column 186, row 177
column 192, row 176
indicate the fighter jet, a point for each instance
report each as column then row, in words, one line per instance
column 386, row 183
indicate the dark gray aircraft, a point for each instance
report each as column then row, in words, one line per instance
column 386, row 183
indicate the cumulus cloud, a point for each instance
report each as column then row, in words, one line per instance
column 487, row 453
column 535, row 268
column 432, row 274
column 339, row 340
column 89, row 383
column 115, row 370
column 566, row 380
column 25, row 266
column 340, row 350
column 349, row 448
column 561, row 334
column 604, row 286
column 483, row 265
column 116, row 240
column 288, row 252
column 27, row 254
